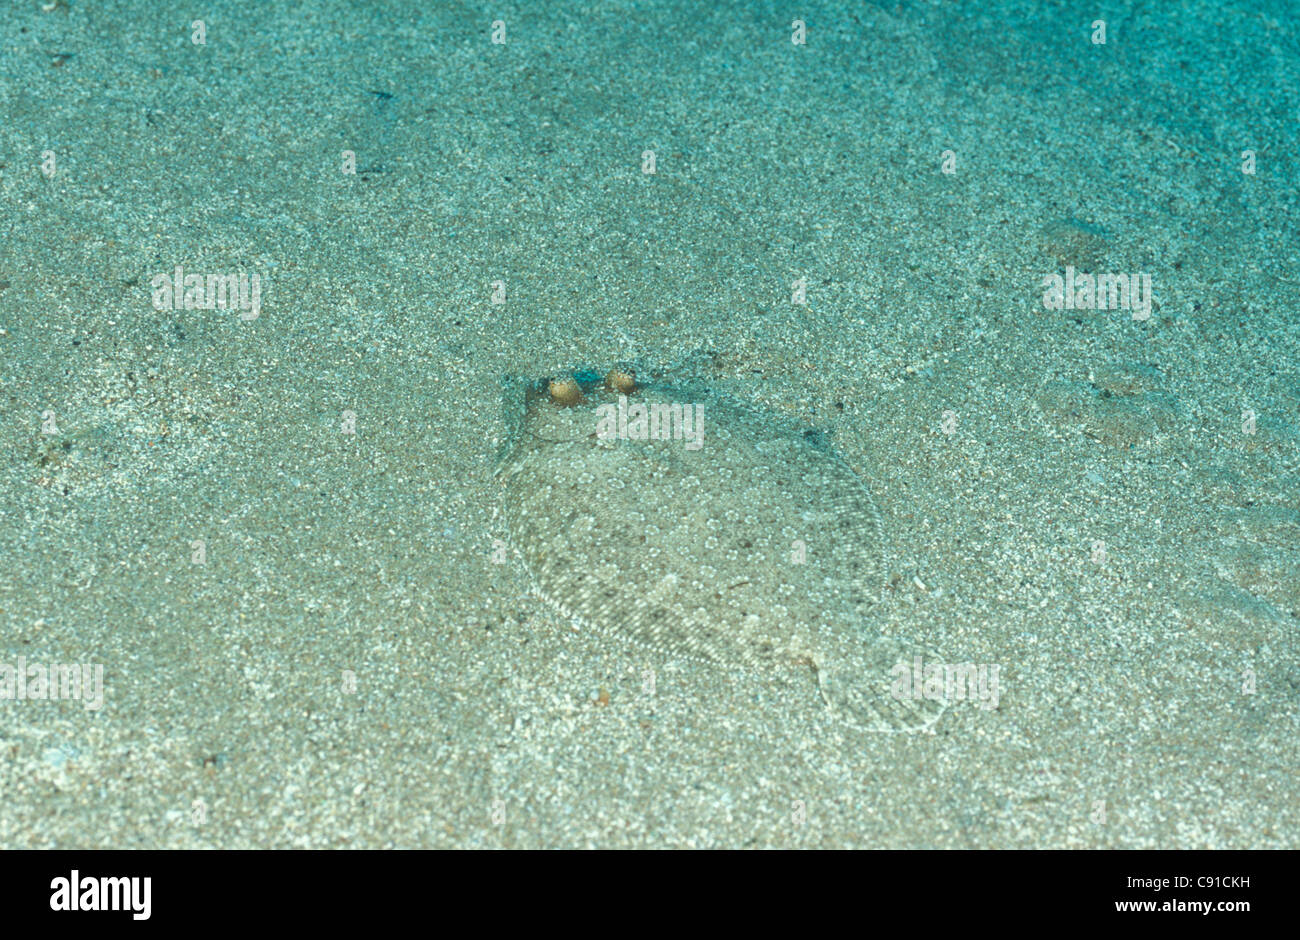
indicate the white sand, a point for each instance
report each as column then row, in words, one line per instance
column 371, row 554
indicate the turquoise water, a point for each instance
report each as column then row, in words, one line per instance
column 274, row 525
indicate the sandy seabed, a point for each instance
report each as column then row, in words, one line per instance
column 276, row 533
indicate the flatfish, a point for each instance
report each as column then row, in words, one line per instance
column 667, row 515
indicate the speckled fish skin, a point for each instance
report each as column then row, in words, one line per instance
column 758, row 549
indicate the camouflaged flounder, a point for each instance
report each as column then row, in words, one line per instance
column 725, row 535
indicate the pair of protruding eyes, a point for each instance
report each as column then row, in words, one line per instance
column 565, row 390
